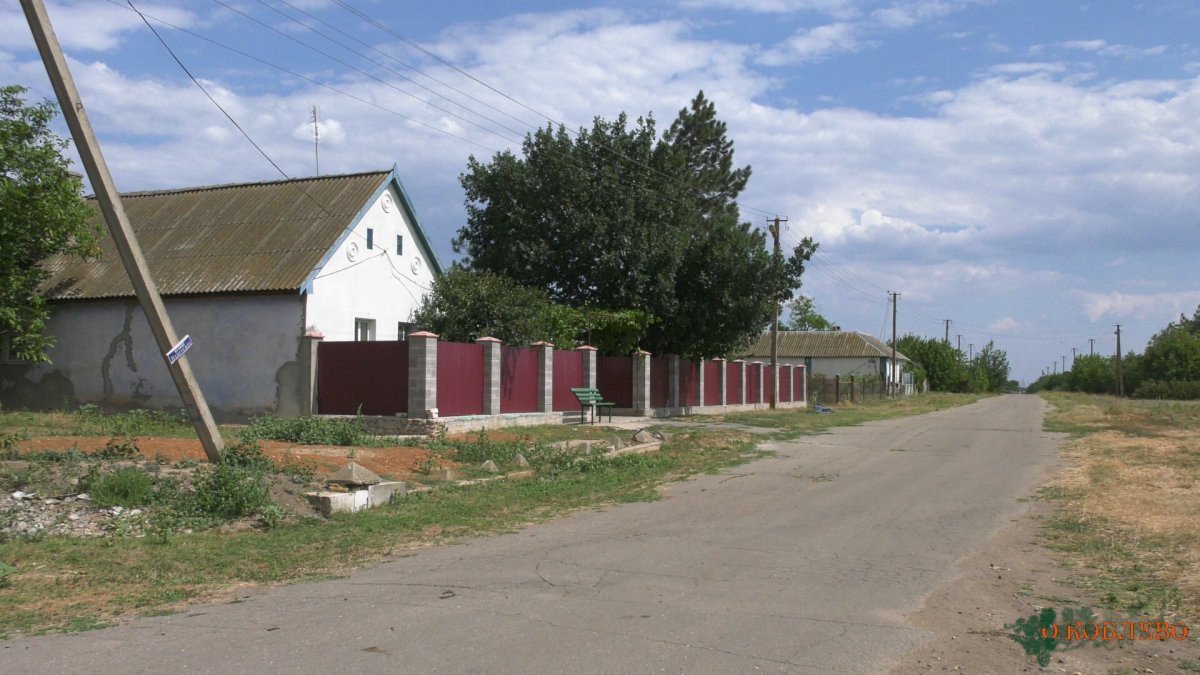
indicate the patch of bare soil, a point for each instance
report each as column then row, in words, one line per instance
column 1013, row 577
column 396, row 462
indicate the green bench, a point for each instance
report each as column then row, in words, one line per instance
column 590, row 398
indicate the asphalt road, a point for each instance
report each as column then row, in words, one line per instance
column 805, row 562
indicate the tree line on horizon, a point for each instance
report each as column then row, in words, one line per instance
column 1169, row 367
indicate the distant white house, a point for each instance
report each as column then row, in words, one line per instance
column 832, row 353
column 245, row 270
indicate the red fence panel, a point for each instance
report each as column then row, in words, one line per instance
column 568, row 372
column 753, row 378
column 768, row 376
column 660, row 382
column 518, row 379
column 785, row 384
column 798, row 374
column 373, row 375
column 733, row 384
column 614, row 379
column 712, row 382
column 689, row 382
column 459, row 379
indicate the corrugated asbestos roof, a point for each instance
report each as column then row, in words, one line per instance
column 252, row 237
column 823, row 344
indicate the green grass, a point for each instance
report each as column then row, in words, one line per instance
column 90, row 421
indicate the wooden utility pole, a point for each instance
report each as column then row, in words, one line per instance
column 774, row 229
column 892, row 366
column 947, row 330
column 1120, row 374
column 118, row 226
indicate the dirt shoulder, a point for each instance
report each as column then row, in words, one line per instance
column 1011, row 577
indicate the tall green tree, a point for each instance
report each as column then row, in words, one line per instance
column 618, row 219
column 942, row 363
column 1093, row 374
column 803, row 316
column 41, row 214
column 1173, row 354
column 990, row 369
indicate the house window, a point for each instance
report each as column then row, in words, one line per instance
column 364, row 330
column 399, row 244
column 402, row 330
column 370, row 238
column 7, row 354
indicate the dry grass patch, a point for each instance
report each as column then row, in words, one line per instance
column 1129, row 496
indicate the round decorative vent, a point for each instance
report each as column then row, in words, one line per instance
column 386, row 203
column 416, row 265
column 352, row 251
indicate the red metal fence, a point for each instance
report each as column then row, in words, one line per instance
column 712, row 383
column 459, row 379
column 660, row 382
column 372, row 376
column 733, row 384
column 568, row 372
column 768, row 382
column 753, row 378
column 785, row 384
column 518, row 379
column 798, row 381
column 614, row 379
column 689, row 382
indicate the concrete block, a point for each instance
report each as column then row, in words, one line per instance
column 381, row 494
column 329, row 503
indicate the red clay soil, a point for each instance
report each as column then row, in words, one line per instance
column 394, row 462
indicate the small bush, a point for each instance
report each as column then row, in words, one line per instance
column 227, row 491
column 248, row 454
column 125, row 448
column 127, row 487
column 1175, row 390
column 309, row 430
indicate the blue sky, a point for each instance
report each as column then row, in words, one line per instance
column 1027, row 169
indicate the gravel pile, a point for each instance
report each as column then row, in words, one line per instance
column 28, row 513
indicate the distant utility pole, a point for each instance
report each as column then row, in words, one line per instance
column 947, row 330
column 1091, row 346
column 971, row 346
column 1073, row 357
column 773, row 227
column 1120, row 374
column 960, row 342
column 118, row 226
column 316, row 140
column 892, row 366
column 1064, row 363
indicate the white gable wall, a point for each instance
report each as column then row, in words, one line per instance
column 360, row 283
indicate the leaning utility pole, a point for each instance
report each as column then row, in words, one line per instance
column 892, row 370
column 1120, row 374
column 118, row 226
column 774, row 229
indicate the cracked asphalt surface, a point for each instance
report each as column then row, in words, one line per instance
column 808, row 561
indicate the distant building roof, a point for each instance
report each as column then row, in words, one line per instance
column 823, row 344
column 249, row 237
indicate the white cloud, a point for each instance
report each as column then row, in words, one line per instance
column 1004, row 325
column 1161, row 306
column 330, row 131
column 840, row 9
column 1103, row 48
column 86, row 24
column 814, row 44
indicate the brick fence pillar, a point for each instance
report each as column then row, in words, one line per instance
column 545, row 357
column 761, row 379
column 700, row 376
column 309, row 344
column 641, row 383
column 589, row 366
column 672, row 380
column 491, row 374
column 422, row 375
column 740, row 365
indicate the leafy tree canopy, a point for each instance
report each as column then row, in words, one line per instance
column 617, row 219
column 465, row 305
column 804, row 316
column 942, row 364
column 41, row 214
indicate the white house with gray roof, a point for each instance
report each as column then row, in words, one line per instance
column 246, row 270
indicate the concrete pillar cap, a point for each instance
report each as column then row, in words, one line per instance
column 541, row 343
column 585, row 348
column 422, row 334
column 487, row 339
column 314, row 334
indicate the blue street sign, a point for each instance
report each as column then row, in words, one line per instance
column 180, row 349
